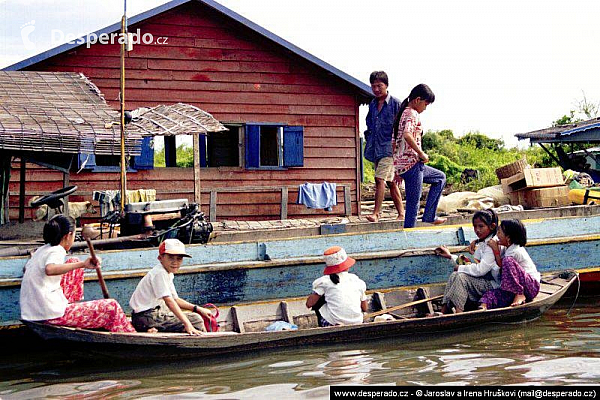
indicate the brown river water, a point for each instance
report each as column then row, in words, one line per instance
column 557, row 349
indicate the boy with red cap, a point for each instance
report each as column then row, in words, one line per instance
column 148, row 314
column 342, row 293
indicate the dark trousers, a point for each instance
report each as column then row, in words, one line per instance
column 163, row 321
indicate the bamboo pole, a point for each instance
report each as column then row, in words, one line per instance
column 197, row 170
column 122, row 101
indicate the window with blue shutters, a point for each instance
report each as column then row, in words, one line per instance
column 216, row 149
column 146, row 159
column 274, row 146
column 106, row 163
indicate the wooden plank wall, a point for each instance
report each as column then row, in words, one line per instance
column 237, row 76
column 170, row 183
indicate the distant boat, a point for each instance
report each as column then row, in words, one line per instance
column 243, row 326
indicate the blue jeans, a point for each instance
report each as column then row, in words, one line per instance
column 413, row 183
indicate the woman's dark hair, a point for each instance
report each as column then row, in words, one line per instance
column 515, row 230
column 335, row 278
column 488, row 217
column 57, row 227
column 378, row 76
column 421, row 90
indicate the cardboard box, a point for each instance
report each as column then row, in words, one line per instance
column 556, row 196
column 533, row 178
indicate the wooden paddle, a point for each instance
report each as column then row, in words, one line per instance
column 86, row 232
column 401, row 306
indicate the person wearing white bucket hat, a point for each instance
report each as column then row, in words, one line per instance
column 338, row 296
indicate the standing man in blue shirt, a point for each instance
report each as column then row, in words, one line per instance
column 378, row 149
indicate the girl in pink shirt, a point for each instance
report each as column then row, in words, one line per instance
column 410, row 159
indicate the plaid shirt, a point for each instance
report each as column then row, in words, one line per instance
column 405, row 157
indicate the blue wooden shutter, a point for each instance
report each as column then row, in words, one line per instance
column 293, row 146
column 252, row 146
column 146, row 159
column 89, row 164
column 202, row 144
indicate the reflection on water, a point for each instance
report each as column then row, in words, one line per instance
column 557, row 349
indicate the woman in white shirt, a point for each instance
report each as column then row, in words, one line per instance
column 51, row 286
column 520, row 278
column 470, row 281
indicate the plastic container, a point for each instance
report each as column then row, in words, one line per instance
column 584, row 196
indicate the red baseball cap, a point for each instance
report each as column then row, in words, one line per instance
column 172, row 246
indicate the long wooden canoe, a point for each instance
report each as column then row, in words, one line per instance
column 243, row 326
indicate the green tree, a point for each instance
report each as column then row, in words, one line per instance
column 481, row 141
column 184, row 155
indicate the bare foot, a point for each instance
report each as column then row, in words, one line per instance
column 482, row 307
column 152, row 330
column 434, row 314
column 446, row 309
column 373, row 218
column 518, row 300
column 400, row 217
column 439, row 221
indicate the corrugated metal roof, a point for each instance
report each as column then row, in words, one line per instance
column 60, row 112
column 362, row 88
column 587, row 131
column 581, row 129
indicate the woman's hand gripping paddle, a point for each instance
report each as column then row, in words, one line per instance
column 87, row 232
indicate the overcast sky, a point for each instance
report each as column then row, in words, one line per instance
column 498, row 67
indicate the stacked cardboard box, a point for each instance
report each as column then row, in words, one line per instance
column 537, row 187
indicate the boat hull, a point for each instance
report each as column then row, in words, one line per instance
column 287, row 267
column 144, row 346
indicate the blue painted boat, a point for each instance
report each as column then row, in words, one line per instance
column 238, row 272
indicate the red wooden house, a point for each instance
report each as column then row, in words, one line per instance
column 292, row 117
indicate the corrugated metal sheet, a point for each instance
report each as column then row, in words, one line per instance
column 570, row 133
column 580, row 129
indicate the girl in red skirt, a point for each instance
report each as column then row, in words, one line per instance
column 52, row 288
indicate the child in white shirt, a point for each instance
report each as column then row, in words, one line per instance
column 51, row 289
column 157, row 286
column 470, row 281
column 341, row 293
column 520, row 281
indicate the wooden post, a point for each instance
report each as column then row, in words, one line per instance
column 66, row 198
column 22, row 192
column 213, row 206
column 197, row 171
column 122, row 125
column 284, row 202
column 347, row 202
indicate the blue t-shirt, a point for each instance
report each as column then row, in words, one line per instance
column 380, row 126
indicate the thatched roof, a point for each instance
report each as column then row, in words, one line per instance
column 175, row 119
column 59, row 112
column 585, row 131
